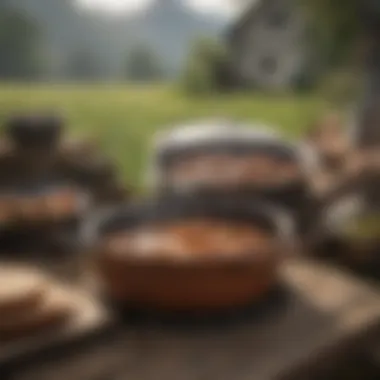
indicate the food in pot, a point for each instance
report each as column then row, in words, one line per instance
column 53, row 205
column 195, row 239
column 8, row 209
column 61, row 204
column 30, row 208
column 38, row 208
column 193, row 265
column 257, row 170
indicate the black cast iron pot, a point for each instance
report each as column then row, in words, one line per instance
column 293, row 196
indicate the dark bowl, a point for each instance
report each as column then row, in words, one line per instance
column 196, row 284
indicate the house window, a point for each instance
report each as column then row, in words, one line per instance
column 278, row 19
column 268, row 65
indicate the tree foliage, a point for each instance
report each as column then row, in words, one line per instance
column 203, row 70
column 143, row 64
column 335, row 25
column 83, row 65
column 19, row 45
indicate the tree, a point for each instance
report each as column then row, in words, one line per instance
column 83, row 65
column 205, row 68
column 143, row 64
column 350, row 27
column 356, row 24
column 19, row 45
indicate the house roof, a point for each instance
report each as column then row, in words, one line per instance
column 252, row 10
column 248, row 14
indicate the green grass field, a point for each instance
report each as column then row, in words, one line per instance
column 124, row 118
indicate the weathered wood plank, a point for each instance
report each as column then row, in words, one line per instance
column 89, row 318
column 325, row 316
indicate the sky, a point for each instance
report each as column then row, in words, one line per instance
column 221, row 7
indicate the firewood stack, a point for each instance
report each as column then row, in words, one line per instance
column 340, row 160
column 48, row 182
column 347, row 185
column 334, row 148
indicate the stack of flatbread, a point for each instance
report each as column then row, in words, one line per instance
column 30, row 303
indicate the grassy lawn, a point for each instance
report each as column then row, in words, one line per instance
column 124, row 118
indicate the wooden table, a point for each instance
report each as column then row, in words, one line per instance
column 325, row 319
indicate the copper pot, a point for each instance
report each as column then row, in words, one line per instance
column 192, row 285
column 188, row 287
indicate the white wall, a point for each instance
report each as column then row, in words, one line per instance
column 282, row 43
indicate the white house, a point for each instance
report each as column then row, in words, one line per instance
column 267, row 45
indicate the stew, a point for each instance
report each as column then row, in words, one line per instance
column 40, row 207
column 62, row 203
column 197, row 238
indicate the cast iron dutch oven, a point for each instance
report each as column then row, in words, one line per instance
column 238, row 141
column 36, row 131
column 197, row 284
column 44, row 215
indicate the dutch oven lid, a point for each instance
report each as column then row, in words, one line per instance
column 210, row 133
column 227, row 135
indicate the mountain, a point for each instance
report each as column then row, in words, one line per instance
column 171, row 27
column 167, row 26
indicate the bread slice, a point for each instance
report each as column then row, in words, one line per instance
column 55, row 309
column 21, row 289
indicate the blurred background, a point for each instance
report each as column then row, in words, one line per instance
column 121, row 69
